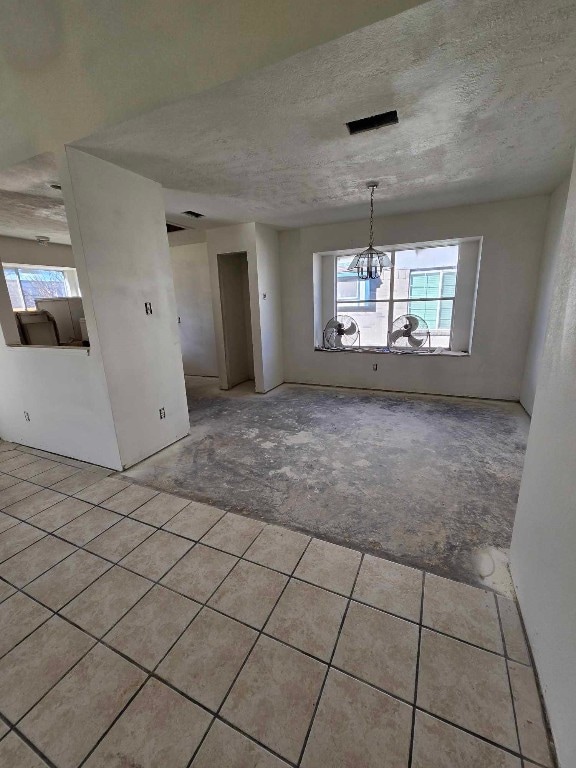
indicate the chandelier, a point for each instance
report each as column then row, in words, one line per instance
column 370, row 263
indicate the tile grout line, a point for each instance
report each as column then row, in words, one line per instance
column 329, row 665
column 413, row 728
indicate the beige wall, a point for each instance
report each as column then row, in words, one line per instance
column 14, row 250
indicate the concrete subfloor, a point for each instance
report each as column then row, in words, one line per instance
column 424, row 480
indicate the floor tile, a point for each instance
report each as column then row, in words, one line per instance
column 380, row 649
column 17, row 538
column 17, row 492
column 149, row 630
column 531, row 728
column 514, row 640
column 37, row 663
column 173, row 728
column 467, row 686
column 233, row 533
column 70, row 719
column 14, row 752
column 200, row 572
column 308, row 618
column 34, row 468
column 19, row 615
column 35, row 503
column 159, row 509
column 8, row 453
column 249, row 593
column 79, row 481
column 7, row 522
column 64, row 581
column 157, row 554
column 278, row 548
column 33, row 561
column 15, row 462
column 357, row 725
column 6, row 481
column 194, row 520
column 88, row 526
column 129, row 499
column 55, row 475
column 102, row 490
column 274, row 697
column 5, row 590
column 226, row 748
column 3, row 730
column 439, row 745
column 390, row 587
column 116, row 542
column 105, row 601
column 207, row 658
column 462, row 611
column 59, row 514
column 329, row 566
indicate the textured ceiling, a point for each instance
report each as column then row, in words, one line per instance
column 28, row 205
column 485, row 91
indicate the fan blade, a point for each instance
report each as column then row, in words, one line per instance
column 351, row 330
column 332, row 324
column 416, row 343
column 414, row 322
column 395, row 335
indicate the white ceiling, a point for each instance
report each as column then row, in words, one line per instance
column 485, row 91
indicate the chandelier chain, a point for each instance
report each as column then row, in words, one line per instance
column 372, row 217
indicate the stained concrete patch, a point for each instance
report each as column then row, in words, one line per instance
column 428, row 481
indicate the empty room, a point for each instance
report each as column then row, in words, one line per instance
column 287, row 384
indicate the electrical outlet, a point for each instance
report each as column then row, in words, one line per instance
column 375, row 367
column 162, row 413
column 148, row 307
column 26, row 416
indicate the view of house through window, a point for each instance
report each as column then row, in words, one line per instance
column 422, row 282
column 27, row 284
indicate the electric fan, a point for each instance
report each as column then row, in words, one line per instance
column 342, row 331
column 409, row 333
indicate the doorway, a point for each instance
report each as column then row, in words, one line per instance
column 236, row 319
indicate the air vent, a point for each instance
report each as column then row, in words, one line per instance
column 173, row 227
column 371, row 123
column 193, row 214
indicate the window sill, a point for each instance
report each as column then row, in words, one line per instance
column 63, row 348
column 384, row 351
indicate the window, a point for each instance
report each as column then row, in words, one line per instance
column 422, row 282
column 27, row 284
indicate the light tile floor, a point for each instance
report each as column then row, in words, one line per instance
column 141, row 629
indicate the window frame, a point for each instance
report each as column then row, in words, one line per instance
column 391, row 301
column 70, row 285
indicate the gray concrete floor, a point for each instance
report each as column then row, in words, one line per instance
column 424, row 480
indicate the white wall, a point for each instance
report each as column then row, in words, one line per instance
column 193, row 291
column 269, row 307
column 546, row 282
column 543, row 554
column 513, row 236
column 14, row 250
column 118, row 232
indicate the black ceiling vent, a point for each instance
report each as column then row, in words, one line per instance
column 173, row 227
column 193, row 214
column 371, row 123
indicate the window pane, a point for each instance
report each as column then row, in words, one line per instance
column 42, row 284
column 372, row 320
column 14, row 291
column 439, row 263
column 437, row 314
column 350, row 290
